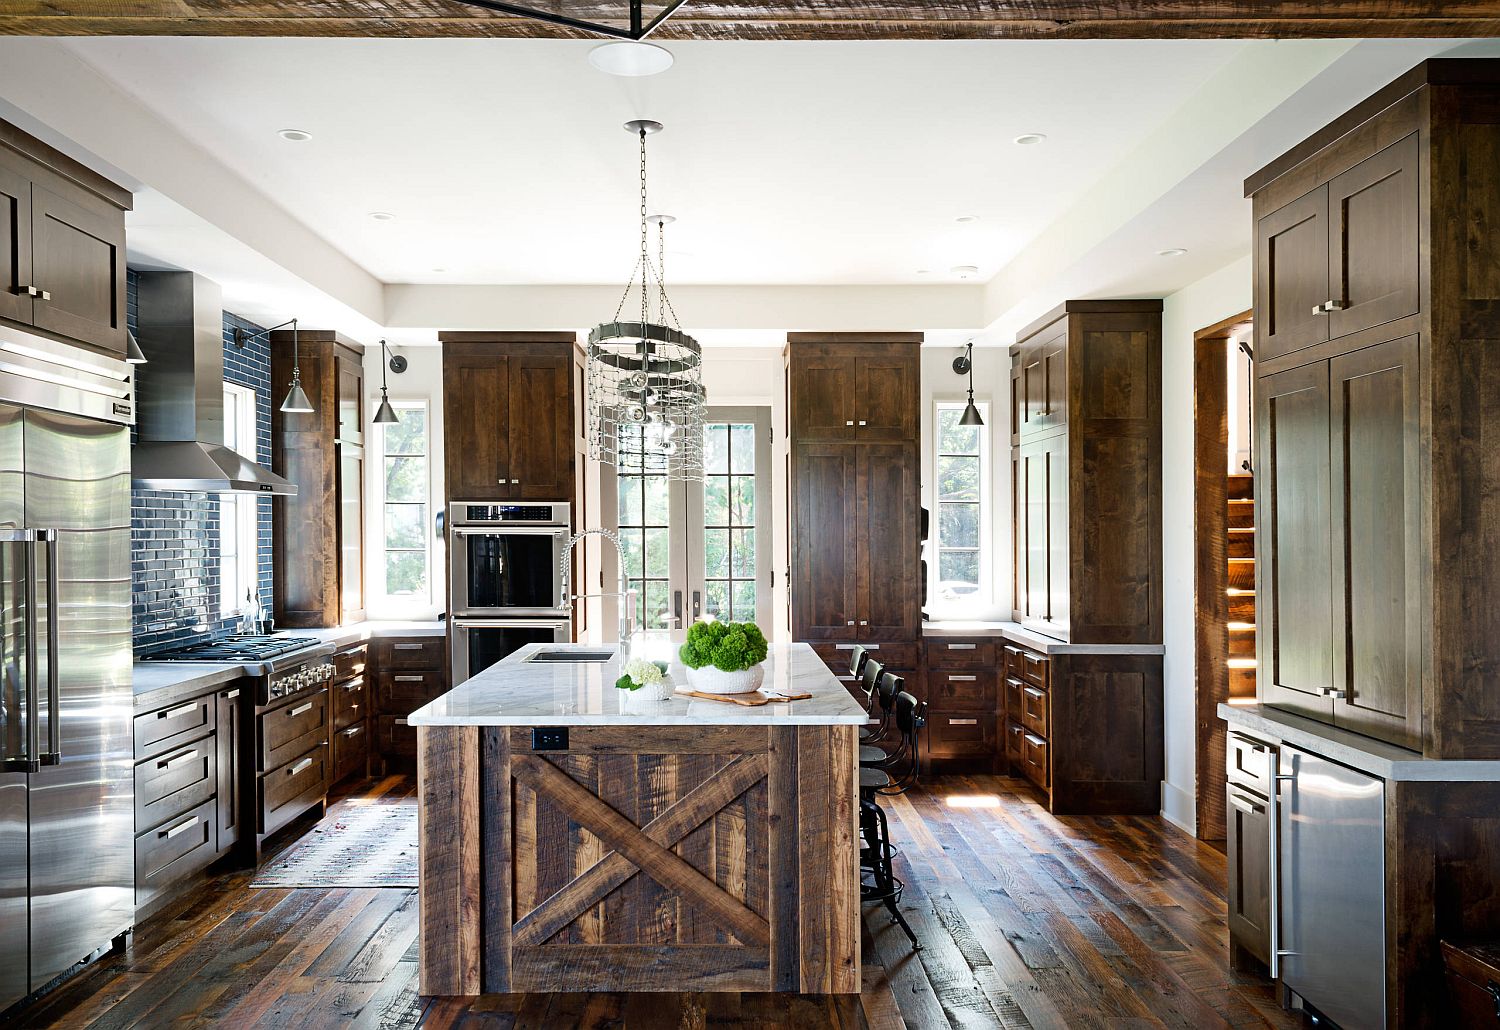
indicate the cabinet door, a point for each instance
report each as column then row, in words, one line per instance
column 1291, row 276
column 888, row 539
column 476, row 404
column 887, row 397
column 822, row 395
column 232, row 749
column 1373, row 239
column 351, row 536
column 15, row 242
column 1249, row 884
column 1042, row 523
column 541, row 427
column 1377, row 531
column 351, row 401
column 78, row 259
column 1031, row 390
column 1294, row 533
column 1054, row 359
column 824, row 602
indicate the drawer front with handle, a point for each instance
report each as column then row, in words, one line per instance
column 949, row 691
column 349, row 663
column 351, row 745
column 179, row 846
column 960, row 654
column 1015, row 742
column 961, row 735
column 396, row 737
column 292, row 729
column 416, row 653
column 175, row 781
column 1034, row 669
column 1014, row 663
column 1250, row 763
column 1014, row 705
column 1034, row 710
column 170, row 727
column 1034, row 759
column 898, row 656
column 287, row 792
column 350, row 702
column 404, row 692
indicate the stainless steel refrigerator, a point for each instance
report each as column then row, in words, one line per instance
column 67, row 819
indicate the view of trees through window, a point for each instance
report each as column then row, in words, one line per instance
column 405, row 478
column 959, row 535
column 729, row 521
column 645, row 520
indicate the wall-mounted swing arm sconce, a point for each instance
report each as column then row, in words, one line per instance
column 964, row 365
column 296, row 402
column 385, row 414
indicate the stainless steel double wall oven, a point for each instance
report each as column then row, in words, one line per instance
column 505, row 580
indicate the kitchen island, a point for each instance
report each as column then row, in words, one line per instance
column 577, row 838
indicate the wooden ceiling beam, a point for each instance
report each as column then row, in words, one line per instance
column 744, row 19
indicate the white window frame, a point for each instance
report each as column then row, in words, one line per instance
column 984, row 598
column 415, row 603
column 239, row 514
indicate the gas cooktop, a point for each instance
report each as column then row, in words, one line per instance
column 233, row 649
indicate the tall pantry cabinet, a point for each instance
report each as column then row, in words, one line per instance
column 854, row 409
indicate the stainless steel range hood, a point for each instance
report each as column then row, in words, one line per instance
column 180, row 393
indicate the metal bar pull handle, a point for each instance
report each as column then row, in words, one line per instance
column 1273, row 808
column 33, row 672
column 406, row 647
column 172, row 713
column 298, row 766
column 299, row 710
column 961, row 647
column 408, row 679
column 182, row 827
column 963, row 722
column 955, row 678
column 53, row 755
column 26, row 651
column 186, row 756
column 1245, row 805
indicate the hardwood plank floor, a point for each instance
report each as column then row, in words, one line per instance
column 1026, row 919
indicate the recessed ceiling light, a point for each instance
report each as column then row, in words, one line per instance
column 924, row 271
column 295, row 135
column 966, row 219
column 964, row 271
column 1028, row 139
column 631, row 58
column 440, row 270
column 382, row 216
column 1171, row 252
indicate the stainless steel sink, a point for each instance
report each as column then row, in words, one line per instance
column 572, row 656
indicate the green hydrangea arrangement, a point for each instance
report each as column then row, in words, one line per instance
column 729, row 646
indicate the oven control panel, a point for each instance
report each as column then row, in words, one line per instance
column 462, row 513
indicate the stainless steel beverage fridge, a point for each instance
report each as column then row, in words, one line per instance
column 67, row 877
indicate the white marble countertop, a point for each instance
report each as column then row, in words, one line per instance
column 1018, row 634
column 1375, row 757
column 515, row 692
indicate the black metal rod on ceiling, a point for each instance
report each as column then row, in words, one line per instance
column 639, row 28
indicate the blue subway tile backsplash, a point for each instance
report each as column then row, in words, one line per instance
column 174, row 536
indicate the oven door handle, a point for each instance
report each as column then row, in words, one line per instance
column 510, row 530
column 462, row 624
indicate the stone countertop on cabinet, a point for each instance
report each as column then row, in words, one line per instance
column 1015, row 633
column 1375, row 757
column 517, row 692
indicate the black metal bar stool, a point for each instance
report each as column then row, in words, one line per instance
column 878, row 881
column 872, row 751
column 869, row 677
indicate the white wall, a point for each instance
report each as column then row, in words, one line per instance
column 1211, row 299
column 992, row 386
column 422, row 380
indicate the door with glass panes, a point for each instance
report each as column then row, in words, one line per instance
column 694, row 550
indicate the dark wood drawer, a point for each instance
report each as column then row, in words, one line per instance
column 351, row 702
column 1034, row 668
column 292, row 729
column 165, row 729
column 898, row 657
column 1473, row 976
column 417, row 653
column 1034, row 759
column 171, row 851
column 1015, row 665
column 395, row 737
column 1015, row 742
column 351, row 746
column 1250, row 763
column 1014, row 705
column 961, row 735
column 350, row 663
column 287, row 792
column 949, row 691
column 175, row 781
column 960, row 654
column 405, row 692
column 1033, row 710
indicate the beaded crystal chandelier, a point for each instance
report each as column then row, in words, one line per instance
column 645, row 377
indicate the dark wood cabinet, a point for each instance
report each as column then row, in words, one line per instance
column 854, row 409
column 1086, row 468
column 1248, row 845
column 234, row 742
column 1291, row 276
column 62, row 245
column 508, row 413
column 350, row 709
column 1373, row 249
column 404, row 673
column 318, row 535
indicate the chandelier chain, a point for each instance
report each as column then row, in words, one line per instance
column 645, row 260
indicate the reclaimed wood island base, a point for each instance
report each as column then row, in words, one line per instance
column 684, row 845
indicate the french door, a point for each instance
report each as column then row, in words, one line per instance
column 694, row 550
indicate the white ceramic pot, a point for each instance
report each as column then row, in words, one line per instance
column 650, row 694
column 710, row 680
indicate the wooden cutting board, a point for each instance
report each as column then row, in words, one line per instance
column 754, row 699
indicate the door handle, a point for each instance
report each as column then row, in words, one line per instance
column 864, row 622
column 1334, row 692
column 697, row 605
column 54, row 698
column 677, row 606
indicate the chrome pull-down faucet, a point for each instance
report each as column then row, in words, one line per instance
column 627, row 597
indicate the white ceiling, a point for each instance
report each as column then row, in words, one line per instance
column 807, row 163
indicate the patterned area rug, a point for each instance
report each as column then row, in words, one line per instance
column 361, row 846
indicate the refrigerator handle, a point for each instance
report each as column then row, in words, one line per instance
column 27, row 539
column 53, row 754
column 1273, row 813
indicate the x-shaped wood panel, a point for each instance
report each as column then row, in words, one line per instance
column 647, row 848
